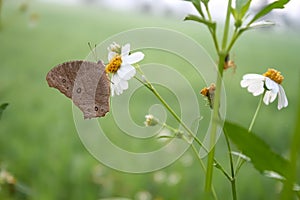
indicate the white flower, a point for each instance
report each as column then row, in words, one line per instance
column 150, row 120
column 270, row 83
column 114, row 47
column 120, row 65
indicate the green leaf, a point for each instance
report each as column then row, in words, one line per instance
column 197, row 5
column 287, row 192
column 2, row 108
column 205, row 1
column 241, row 4
column 275, row 5
column 245, row 9
column 262, row 156
column 234, row 13
column 201, row 20
column 240, row 10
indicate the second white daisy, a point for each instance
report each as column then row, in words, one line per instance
column 270, row 83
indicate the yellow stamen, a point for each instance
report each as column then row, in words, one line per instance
column 274, row 75
column 114, row 64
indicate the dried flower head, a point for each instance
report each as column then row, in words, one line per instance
column 209, row 92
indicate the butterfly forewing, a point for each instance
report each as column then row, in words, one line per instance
column 86, row 83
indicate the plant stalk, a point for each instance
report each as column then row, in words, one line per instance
column 240, row 162
column 233, row 186
column 215, row 122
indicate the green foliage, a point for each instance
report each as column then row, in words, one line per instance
column 260, row 153
column 39, row 142
column 1, row 2
column 205, row 1
column 240, row 10
column 2, row 108
column 275, row 5
column 294, row 154
column 210, row 24
column 197, row 5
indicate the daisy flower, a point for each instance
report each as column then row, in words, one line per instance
column 268, row 83
column 120, row 66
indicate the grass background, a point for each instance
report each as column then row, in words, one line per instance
column 38, row 139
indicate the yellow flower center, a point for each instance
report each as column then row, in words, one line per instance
column 114, row 64
column 274, row 75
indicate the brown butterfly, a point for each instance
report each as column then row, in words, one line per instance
column 86, row 83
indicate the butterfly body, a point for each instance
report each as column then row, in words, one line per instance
column 86, row 83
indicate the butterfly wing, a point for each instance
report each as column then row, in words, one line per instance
column 86, row 83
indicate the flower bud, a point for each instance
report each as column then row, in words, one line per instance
column 114, row 47
column 150, row 120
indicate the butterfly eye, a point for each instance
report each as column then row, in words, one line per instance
column 96, row 108
column 78, row 90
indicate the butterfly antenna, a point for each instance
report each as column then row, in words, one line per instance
column 93, row 50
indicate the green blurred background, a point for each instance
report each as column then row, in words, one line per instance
column 39, row 144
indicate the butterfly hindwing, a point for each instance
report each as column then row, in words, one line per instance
column 86, row 83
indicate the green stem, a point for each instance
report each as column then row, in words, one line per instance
column 207, row 11
column 233, row 186
column 227, row 23
column 215, row 117
column 234, row 38
column 240, row 162
column 153, row 90
column 147, row 84
column 203, row 167
column 199, row 8
column 215, row 40
column 256, row 112
column 211, row 30
column 215, row 122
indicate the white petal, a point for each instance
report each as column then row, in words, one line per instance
column 246, row 83
column 125, row 49
column 118, row 85
column 254, row 82
column 256, row 88
column 114, row 80
column 269, row 97
column 111, row 54
column 118, row 90
column 272, row 85
column 253, row 76
column 133, row 58
column 115, row 85
column 273, row 96
column 112, row 89
column 126, row 72
column 123, row 84
column 282, row 100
